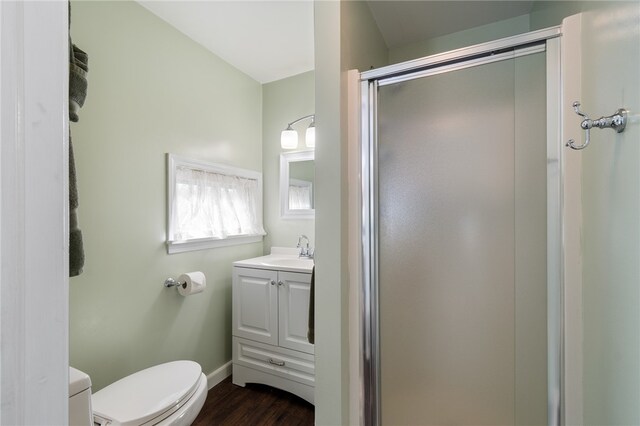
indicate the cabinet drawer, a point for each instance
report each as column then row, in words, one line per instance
column 292, row 365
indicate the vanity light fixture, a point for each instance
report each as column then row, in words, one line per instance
column 289, row 136
column 310, row 135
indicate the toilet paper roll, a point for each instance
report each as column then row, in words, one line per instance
column 193, row 283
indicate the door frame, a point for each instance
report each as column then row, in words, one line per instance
column 369, row 303
column 34, row 206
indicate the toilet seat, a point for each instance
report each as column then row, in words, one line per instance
column 148, row 396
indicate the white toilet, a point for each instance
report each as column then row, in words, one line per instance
column 170, row 394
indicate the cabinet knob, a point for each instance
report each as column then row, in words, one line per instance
column 280, row 283
column 273, row 282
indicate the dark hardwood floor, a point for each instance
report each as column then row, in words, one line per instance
column 228, row 404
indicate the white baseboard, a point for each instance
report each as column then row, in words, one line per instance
column 219, row 375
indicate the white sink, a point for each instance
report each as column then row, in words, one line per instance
column 287, row 262
column 279, row 261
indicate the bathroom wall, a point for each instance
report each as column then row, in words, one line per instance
column 481, row 34
column 151, row 91
column 331, row 395
column 611, row 212
column 543, row 14
column 283, row 101
column 549, row 13
column 610, row 207
column 346, row 37
column 362, row 45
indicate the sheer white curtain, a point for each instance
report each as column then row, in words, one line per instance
column 214, row 205
column 299, row 197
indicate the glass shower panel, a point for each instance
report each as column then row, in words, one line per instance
column 462, row 205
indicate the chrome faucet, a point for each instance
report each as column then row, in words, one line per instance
column 305, row 251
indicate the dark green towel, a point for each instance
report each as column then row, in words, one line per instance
column 311, row 334
column 76, row 250
column 78, row 68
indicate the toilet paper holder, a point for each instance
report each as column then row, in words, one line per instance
column 170, row 282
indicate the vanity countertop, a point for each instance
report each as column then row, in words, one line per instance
column 281, row 259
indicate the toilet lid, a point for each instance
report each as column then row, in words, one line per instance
column 147, row 394
column 78, row 381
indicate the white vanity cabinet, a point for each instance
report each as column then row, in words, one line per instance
column 270, row 324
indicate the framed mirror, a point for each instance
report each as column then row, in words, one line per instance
column 297, row 182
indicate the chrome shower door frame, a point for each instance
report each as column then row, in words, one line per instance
column 547, row 40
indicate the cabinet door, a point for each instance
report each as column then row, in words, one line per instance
column 293, row 297
column 255, row 304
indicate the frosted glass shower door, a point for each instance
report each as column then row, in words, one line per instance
column 462, row 246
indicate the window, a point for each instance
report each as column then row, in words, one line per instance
column 212, row 205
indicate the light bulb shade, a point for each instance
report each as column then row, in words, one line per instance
column 289, row 139
column 310, row 136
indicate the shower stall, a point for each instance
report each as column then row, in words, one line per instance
column 461, row 236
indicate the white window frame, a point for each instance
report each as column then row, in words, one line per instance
column 175, row 161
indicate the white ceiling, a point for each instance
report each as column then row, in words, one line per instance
column 271, row 40
column 268, row 40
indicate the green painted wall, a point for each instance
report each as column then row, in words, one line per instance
column 362, row 45
column 346, row 37
column 550, row 13
column 610, row 208
column 331, row 396
column 611, row 212
column 481, row 34
column 151, row 91
column 543, row 14
column 302, row 170
column 282, row 102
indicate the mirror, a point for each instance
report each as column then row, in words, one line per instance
column 297, row 171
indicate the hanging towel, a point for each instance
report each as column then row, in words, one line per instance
column 311, row 335
column 78, row 68
column 76, row 250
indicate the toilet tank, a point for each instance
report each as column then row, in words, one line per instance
column 80, row 413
